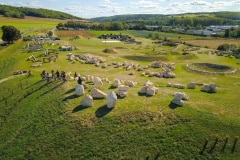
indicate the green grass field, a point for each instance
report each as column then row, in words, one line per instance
column 40, row 120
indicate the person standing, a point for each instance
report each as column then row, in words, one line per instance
column 79, row 80
column 57, row 75
column 53, row 74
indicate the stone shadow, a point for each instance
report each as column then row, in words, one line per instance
column 79, row 108
column 102, row 111
column 173, row 106
column 70, row 97
column 70, row 91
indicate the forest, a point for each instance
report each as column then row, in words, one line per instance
column 21, row 12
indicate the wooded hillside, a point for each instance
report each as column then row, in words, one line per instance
column 21, row 12
column 191, row 19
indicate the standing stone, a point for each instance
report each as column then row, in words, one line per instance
column 79, row 89
column 111, row 100
column 87, row 101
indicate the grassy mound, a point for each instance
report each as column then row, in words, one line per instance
column 109, row 50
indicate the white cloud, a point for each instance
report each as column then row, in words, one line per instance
column 33, row 3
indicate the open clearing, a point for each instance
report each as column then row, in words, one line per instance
column 41, row 120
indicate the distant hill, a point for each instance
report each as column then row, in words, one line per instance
column 21, row 12
column 228, row 16
column 187, row 20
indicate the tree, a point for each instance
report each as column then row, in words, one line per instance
column 10, row 34
column 50, row 33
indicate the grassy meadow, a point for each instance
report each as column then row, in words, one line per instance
column 41, row 120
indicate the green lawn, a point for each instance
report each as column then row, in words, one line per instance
column 40, row 120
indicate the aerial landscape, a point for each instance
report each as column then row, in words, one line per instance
column 147, row 79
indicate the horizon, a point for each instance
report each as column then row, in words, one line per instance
column 105, row 8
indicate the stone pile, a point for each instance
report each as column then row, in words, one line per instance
column 149, row 89
column 179, row 98
column 164, row 73
column 89, row 58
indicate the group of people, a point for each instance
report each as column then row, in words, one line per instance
column 54, row 75
column 59, row 76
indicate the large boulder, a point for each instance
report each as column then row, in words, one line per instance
column 210, row 88
column 179, row 97
column 191, row 85
column 116, row 82
column 87, row 101
column 143, row 90
column 97, row 83
column 122, row 90
column 98, row 94
column 149, row 89
column 111, row 99
column 152, row 91
column 79, row 89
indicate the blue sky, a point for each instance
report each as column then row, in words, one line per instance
column 99, row 8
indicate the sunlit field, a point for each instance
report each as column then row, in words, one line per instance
column 45, row 120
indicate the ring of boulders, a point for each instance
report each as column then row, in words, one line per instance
column 204, row 68
column 147, row 89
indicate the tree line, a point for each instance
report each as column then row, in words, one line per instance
column 176, row 20
column 21, row 12
column 120, row 25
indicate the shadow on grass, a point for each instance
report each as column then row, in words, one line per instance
column 55, row 87
column 79, row 108
column 70, row 97
column 145, row 58
column 173, row 106
column 70, row 91
column 112, row 87
column 102, row 111
column 143, row 95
